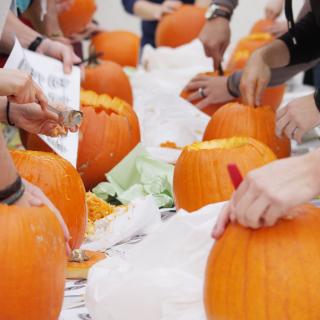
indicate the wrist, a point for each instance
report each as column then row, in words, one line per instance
column 43, row 46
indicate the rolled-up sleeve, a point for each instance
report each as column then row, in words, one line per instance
column 128, row 5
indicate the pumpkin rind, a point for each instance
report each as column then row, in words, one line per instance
column 108, row 77
column 180, row 27
column 201, row 176
column 77, row 16
column 270, row 273
column 235, row 119
column 61, row 183
column 122, row 47
column 33, row 262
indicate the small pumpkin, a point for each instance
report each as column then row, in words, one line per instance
column 201, row 176
column 262, row 25
column 121, row 47
column 77, row 16
column 61, row 183
column 107, row 77
column 270, row 273
column 110, row 130
column 180, row 27
column 235, row 119
column 33, row 262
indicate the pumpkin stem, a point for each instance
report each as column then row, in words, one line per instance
column 94, row 56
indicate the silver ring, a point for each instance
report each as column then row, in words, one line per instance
column 201, row 92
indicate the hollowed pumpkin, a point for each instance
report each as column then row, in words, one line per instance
column 77, row 16
column 33, row 262
column 201, row 176
column 107, row 77
column 236, row 119
column 180, row 27
column 261, row 25
column 270, row 273
column 61, row 183
column 121, row 47
column 109, row 131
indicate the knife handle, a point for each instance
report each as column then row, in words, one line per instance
column 235, row 175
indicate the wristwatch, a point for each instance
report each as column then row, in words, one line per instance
column 215, row 11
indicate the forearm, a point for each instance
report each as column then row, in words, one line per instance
column 146, row 10
column 304, row 10
column 8, row 173
column 14, row 27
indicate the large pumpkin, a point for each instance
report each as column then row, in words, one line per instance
column 236, row 119
column 61, row 183
column 270, row 273
column 201, row 176
column 121, row 47
column 77, row 16
column 33, row 262
column 271, row 96
column 110, row 130
column 180, row 27
column 108, row 77
column 262, row 25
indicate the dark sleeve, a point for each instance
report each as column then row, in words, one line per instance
column 307, row 48
column 128, row 5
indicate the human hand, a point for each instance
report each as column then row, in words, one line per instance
column 63, row 5
column 214, row 89
column 215, row 38
column 167, row 7
column 278, row 28
column 267, row 193
column 57, row 50
column 255, row 78
column 34, row 197
column 19, row 87
column 273, row 9
column 32, row 119
column 90, row 30
column 297, row 118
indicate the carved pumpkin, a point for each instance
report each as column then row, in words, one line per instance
column 272, row 97
column 121, row 47
column 270, row 273
column 262, row 25
column 107, row 77
column 201, row 176
column 61, row 183
column 236, row 119
column 110, row 130
column 180, row 27
column 33, row 262
column 77, row 16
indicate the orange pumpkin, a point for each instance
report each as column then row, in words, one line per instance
column 180, row 27
column 236, row 119
column 107, row 77
column 272, row 97
column 77, row 16
column 110, row 130
column 201, row 176
column 121, row 47
column 270, row 273
column 262, row 25
column 33, row 262
column 61, row 183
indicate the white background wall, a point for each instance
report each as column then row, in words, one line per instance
column 112, row 16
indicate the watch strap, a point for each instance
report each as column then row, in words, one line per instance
column 35, row 43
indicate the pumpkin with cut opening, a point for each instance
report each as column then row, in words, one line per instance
column 33, row 262
column 61, row 183
column 77, row 16
column 201, row 176
column 270, row 273
column 122, row 47
column 236, row 119
column 180, row 27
